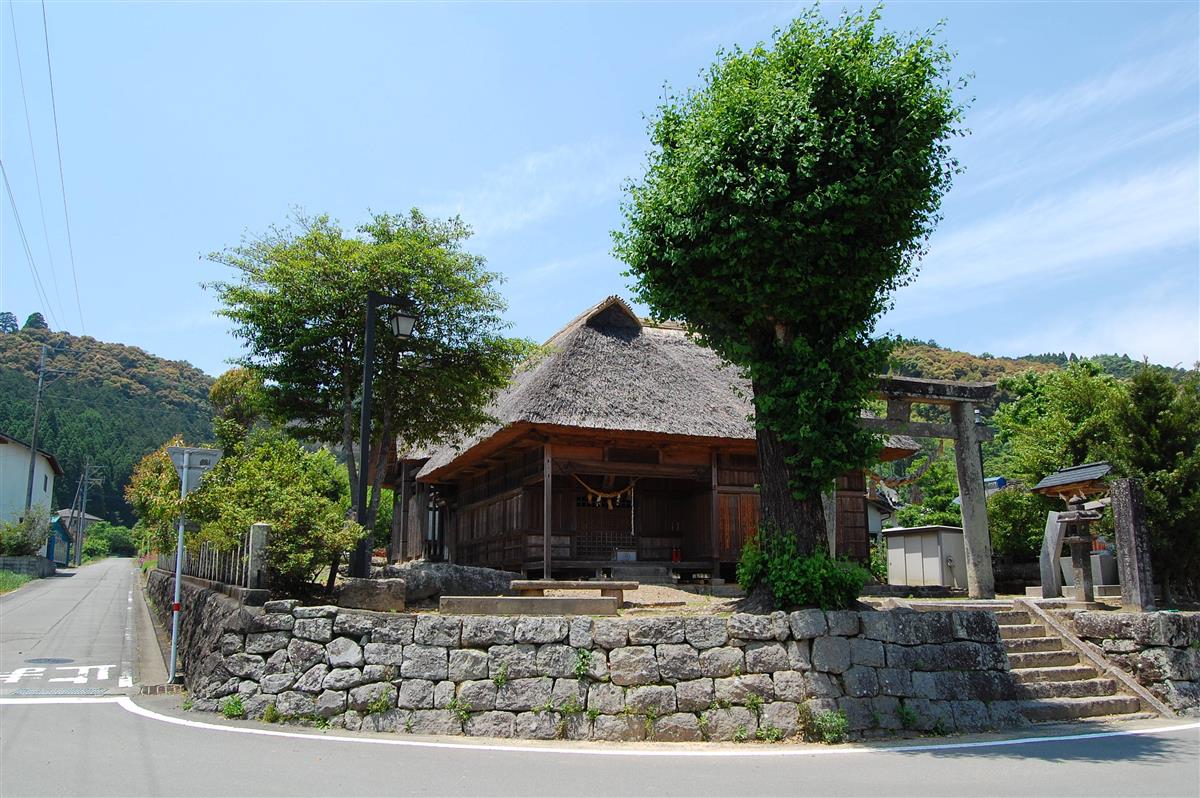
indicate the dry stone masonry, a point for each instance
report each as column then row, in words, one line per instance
column 684, row 679
column 1159, row 649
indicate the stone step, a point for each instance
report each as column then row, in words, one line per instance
column 1022, row 644
column 1073, row 708
column 1074, row 689
column 1010, row 617
column 1008, row 631
column 1042, row 659
column 1069, row 673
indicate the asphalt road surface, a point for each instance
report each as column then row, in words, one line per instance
column 103, row 742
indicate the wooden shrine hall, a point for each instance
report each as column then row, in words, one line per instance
column 626, row 447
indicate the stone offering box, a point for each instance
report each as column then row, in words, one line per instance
column 664, row 678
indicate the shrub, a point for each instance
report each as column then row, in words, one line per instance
column 232, row 707
column 772, row 559
column 111, row 538
column 878, row 564
column 27, row 536
column 95, row 547
column 828, row 727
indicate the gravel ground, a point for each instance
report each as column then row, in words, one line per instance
column 651, row 599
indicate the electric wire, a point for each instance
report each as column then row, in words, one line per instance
column 37, row 280
column 61, row 179
column 33, row 158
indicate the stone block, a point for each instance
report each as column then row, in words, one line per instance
column 303, row 654
column 557, row 660
column 485, row 631
column 656, row 700
column 971, row 716
column 799, row 654
column 878, row 625
column 695, row 695
column 524, row 694
column 579, row 634
column 245, row 666
column 705, row 632
column 416, row 694
column 1006, row 715
column 619, row 728
column 467, row 663
column 361, row 697
column 536, row 726
column 569, row 693
column 610, row 633
column 528, row 606
column 938, row 685
column 380, row 673
column 279, row 663
column 277, row 682
column 538, row 630
column 392, row 628
column 633, row 665
column 293, row 704
column 319, row 630
column 894, row 681
column 681, row 727
column 271, row 622
column 490, row 724
column 321, row 611
column 347, row 720
column 885, row 712
column 763, row 657
column 342, row 652
column 928, row 627
column 424, row 662
column 859, row 713
column 782, row 715
column 843, row 623
column 734, row 723
column 380, row 595
column 232, row 643
column 1160, row 629
column 434, row 721
column 597, row 665
column 977, row 625
column 745, row 626
column 1096, row 625
column 831, row 654
column 330, row 703
column 518, row 661
column 342, row 679
column 312, row 679
column 652, row 631
column 677, row 662
column 807, row 624
column 608, row 699
column 479, row 694
column 718, row 662
column 383, row 654
column 738, row 689
column 438, row 630
column 392, row 720
column 789, row 685
column 1118, row 645
column 280, row 605
column 860, row 682
column 443, row 694
column 821, row 685
column 267, row 642
column 353, row 624
column 867, row 652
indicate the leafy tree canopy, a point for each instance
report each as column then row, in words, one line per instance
column 8, row 322
column 36, row 321
column 784, row 201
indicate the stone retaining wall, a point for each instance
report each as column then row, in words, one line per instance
column 1159, row 649
column 33, row 565
column 649, row 677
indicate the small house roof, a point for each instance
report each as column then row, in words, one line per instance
column 58, row 470
column 66, row 513
column 1065, row 478
column 610, row 370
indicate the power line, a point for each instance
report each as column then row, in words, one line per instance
column 61, row 179
column 37, row 280
column 33, row 157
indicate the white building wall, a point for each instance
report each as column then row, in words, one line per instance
column 14, row 475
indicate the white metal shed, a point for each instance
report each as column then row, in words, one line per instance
column 926, row 555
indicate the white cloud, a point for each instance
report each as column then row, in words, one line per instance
column 541, row 185
column 1057, row 237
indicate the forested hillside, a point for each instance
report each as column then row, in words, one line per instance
column 109, row 403
column 913, row 358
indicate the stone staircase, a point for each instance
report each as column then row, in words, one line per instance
column 1053, row 683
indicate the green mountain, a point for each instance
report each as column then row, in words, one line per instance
column 913, row 358
column 109, row 403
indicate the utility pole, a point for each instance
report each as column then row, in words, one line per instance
column 82, row 525
column 37, row 411
column 73, row 519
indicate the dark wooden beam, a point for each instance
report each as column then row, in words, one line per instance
column 547, row 507
column 567, row 466
column 937, row 392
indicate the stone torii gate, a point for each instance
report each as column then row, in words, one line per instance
column 961, row 398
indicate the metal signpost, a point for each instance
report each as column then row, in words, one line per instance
column 191, row 464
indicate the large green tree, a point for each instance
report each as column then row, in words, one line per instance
column 8, row 322
column 784, row 201
column 299, row 303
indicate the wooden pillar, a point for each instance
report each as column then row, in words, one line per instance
column 713, row 532
column 547, row 507
column 398, row 549
column 978, row 545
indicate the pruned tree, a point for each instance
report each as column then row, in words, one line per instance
column 784, row 201
column 35, row 321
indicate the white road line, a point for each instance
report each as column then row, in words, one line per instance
column 126, row 679
column 491, row 746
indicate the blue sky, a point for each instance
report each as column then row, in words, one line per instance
column 1076, row 226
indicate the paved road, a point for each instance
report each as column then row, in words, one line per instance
column 152, row 748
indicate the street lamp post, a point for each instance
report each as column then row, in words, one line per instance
column 401, row 324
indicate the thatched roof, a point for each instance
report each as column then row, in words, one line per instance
column 609, row 370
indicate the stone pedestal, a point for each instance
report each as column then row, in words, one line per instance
column 1081, row 564
column 1133, row 546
